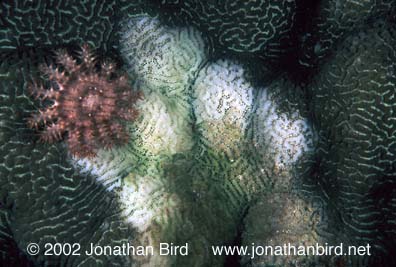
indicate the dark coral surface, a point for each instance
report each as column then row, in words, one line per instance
column 41, row 191
column 241, row 26
column 52, row 23
column 343, row 54
column 354, row 106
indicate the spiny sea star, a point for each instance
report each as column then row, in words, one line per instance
column 90, row 102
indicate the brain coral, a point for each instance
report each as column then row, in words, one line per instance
column 333, row 20
column 149, row 49
column 222, row 104
column 174, row 181
column 353, row 102
column 151, row 199
column 36, row 178
column 240, row 26
column 281, row 131
column 282, row 217
column 151, row 203
column 42, row 22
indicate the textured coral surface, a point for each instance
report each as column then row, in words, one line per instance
column 266, row 122
column 335, row 20
column 245, row 26
column 52, row 23
column 355, row 114
column 43, row 197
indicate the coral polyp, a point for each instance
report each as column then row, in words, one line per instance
column 90, row 103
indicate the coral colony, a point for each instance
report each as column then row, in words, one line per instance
column 90, row 104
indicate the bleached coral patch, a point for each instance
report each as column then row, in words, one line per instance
column 150, row 208
column 161, row 129
column 163, row 62
column 222, row 103
column 281, row 136
column 163, row 59
column 109, row 166
column 144, row 200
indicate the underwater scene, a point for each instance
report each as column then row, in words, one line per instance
column 252, row 133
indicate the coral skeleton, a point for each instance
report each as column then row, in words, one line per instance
column 90, row 103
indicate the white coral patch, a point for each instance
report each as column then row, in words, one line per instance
column 149, row 208
column 108, row 166
column 163, row 59
column 222, row 103
column 164, row 62
column 161, row 129
column 144, row 200
column 282, row 137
